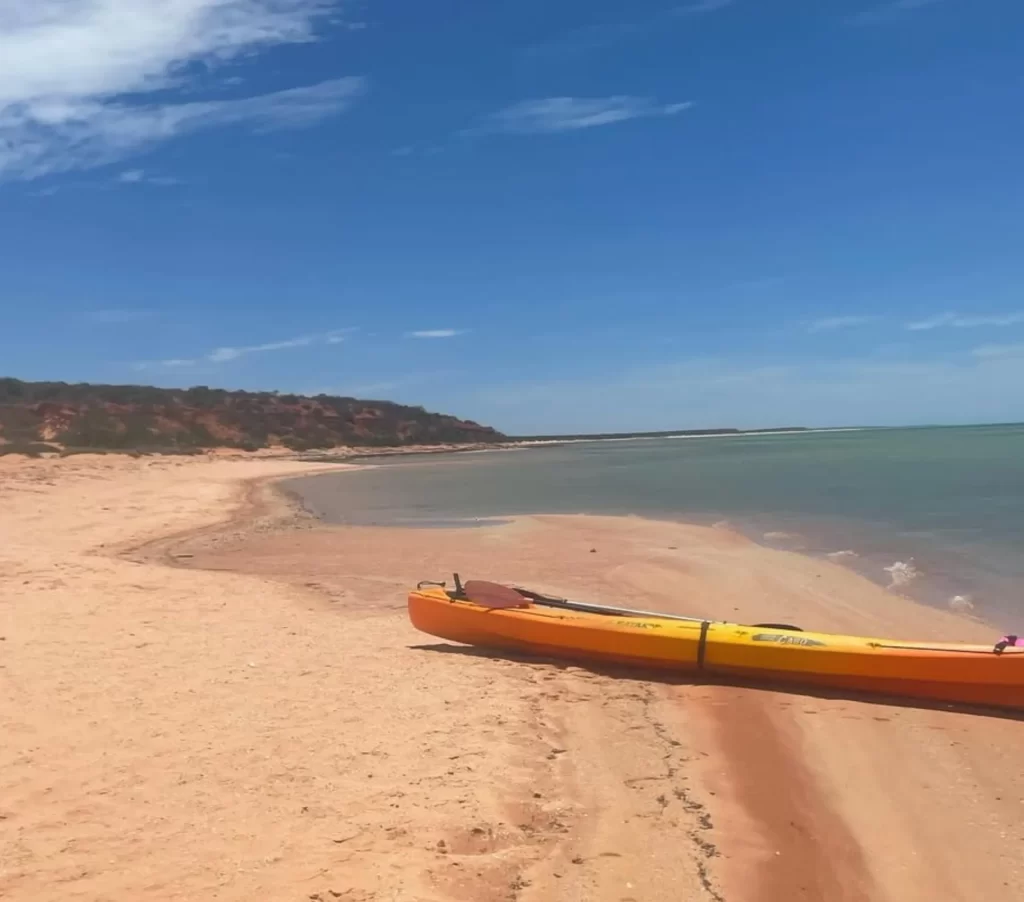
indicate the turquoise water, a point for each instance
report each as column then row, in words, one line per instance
column 949, row 502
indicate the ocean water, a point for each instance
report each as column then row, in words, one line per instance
column 937, row 511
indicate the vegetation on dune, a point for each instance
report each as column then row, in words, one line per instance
column 85, row 416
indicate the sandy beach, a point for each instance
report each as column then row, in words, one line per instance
column 205, row 694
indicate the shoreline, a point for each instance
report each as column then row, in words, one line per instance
column 740, row 433
column 260, row 718
column 852, row 871
column 270, row 506
column 897, row 572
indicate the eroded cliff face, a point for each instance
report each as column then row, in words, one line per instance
column 133, row 416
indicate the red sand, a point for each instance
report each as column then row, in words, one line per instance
column 259, row 719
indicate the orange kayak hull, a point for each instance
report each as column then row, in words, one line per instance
column 938, row 672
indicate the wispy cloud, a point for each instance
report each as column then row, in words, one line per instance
column 78, row 78
column 990, row 351
column 39, row 140
column 702, row 6
column 222, row 355
column 956, row 321
column 832, row 323
column 550, row 115
column 174, row 363
column 141, row 177
column 590, row 38
column 436, row 333
column 227, row 353
column 888, row 12
column 118, row 316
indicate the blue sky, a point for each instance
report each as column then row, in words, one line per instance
column 548, row 217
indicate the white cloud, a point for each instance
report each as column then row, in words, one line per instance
column 140, row 177
column 832, row 323
column 436, row 333
column 222, row 355
column 956, row 321
column 227, row 353
column 990, row 351
column 173, row 363
column 562, row 114
column 77, row 77
column 888, row 12
column 37, row 141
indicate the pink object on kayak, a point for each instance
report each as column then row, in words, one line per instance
column 1008, row 642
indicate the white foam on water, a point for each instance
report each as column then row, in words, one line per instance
column 961, row 603
column 839, row 555
column 780, row 536
column 901, row 573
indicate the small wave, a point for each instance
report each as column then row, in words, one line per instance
column 721, row 524
column 961, row 603
column 839, row 555
column 780, row 536
column 901, row 573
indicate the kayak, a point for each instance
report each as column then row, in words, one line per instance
column 492, row 615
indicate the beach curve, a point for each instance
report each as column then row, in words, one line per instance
column 235, row 728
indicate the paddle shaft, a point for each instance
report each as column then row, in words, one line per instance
column 588, row 608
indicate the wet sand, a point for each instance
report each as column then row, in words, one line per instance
column 206, row 695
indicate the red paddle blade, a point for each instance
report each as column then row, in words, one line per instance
column 493, row 595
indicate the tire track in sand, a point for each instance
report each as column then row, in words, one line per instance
column 807, row 851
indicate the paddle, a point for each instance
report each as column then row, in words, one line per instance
column 495, row 595
column 590, row 608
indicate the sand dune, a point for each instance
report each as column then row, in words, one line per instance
column 203, row 695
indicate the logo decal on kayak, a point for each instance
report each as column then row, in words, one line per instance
column 642, row 624
column 785, row 640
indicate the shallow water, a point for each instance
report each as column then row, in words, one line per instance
column 945, row 502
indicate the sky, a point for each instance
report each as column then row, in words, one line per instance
column 548, row 217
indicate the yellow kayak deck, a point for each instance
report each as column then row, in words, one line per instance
column 973, row 674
